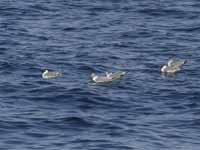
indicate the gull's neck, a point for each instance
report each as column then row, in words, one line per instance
column 163, row 68
column 45, row 73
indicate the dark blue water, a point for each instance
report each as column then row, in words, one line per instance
column 143, row 111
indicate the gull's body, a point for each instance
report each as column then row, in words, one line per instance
column 109, row 77
column 100, row 79
column 173, row 66
column 50, row 74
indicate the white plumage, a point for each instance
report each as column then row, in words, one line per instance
column 50, row 74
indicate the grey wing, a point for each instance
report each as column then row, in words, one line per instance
column 117, row 75
column 54, row 74
column 176, row 63
column 172, row 62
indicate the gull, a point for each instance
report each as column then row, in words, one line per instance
column 50, row 74
column 173, row 66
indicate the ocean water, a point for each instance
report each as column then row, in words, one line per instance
column 143, row 111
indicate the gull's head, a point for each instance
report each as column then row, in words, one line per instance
column 163, row 68
column 46, row 71
column 44, row 74
column 93, row 75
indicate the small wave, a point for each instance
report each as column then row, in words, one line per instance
column 70, row 29
column 187, row 29
column 76, row 122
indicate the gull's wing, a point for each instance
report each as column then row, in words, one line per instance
column 108, row 74
column 117, row 75
column 53, row 74
column 175, row 63
column 171, row 62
